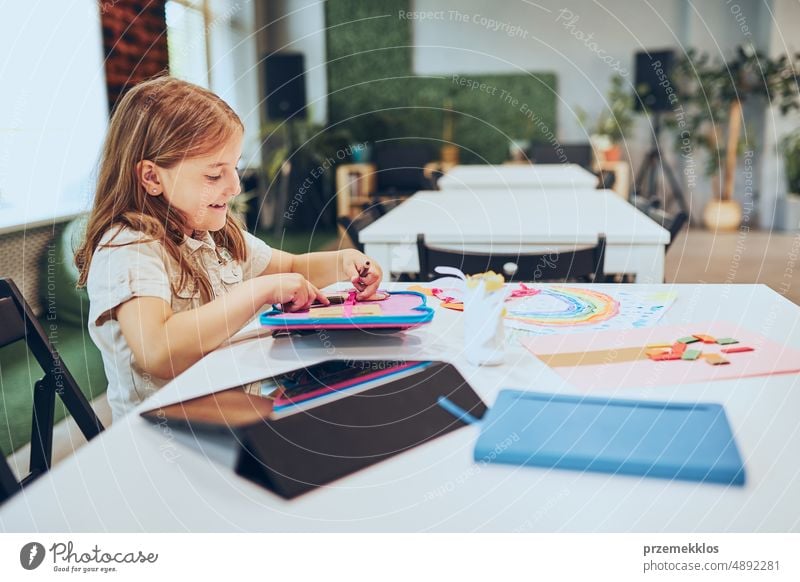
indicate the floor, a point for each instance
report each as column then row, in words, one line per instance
column 67, row 439
column 700, row 256
column 696, row 256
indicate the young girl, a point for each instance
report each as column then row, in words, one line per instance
column 170, row 273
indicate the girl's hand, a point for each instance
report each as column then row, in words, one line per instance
column 364, row 273
column 292, row 291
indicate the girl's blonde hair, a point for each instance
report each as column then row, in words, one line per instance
column 164, row 120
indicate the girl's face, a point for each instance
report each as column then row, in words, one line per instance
column 202, row 187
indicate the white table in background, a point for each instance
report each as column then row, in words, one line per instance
column 137, row 477
column 518, row 176
column 530, row 221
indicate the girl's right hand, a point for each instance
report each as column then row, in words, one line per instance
column 292, row 291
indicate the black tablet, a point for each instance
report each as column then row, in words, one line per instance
column 395, row 409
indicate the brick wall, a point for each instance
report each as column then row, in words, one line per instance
column 134, row 41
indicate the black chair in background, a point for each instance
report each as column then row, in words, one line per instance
column 580, row 154
column 401, row 170
column 20, row 324
column 353, row 227
column 8, row 482
column 584, row 264
column 674, row 223
column 547, row 153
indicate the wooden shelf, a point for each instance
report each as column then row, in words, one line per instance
column 354, row 185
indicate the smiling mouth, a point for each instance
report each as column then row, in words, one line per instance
column 218, row 206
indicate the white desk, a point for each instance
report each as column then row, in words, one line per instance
column 137, row 477
column 518, row 177
column 502, row 221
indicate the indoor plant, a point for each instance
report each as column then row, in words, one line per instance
column 790, row 148
column 616, row 120
column 299, row 155
column 711, row 96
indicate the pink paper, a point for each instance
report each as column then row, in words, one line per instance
column 768, row 358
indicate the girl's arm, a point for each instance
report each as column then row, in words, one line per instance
column 325, row 268
column 166, row 343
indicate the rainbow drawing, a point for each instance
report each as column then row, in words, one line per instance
column 562, row 306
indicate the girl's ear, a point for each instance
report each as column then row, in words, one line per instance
column 148, row 178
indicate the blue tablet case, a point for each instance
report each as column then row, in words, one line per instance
column 401, row 310
column 691, row 441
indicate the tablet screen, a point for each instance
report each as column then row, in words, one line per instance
column 329, row 378
column 285, row 394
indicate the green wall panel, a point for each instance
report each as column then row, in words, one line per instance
column 375, row 95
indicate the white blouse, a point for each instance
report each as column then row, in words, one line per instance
column 143, row 268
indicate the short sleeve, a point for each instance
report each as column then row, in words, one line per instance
column 259, row 254
column 130, row 267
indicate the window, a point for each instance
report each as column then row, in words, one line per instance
column 212, row 43
column 187, row 42
column 53, row 110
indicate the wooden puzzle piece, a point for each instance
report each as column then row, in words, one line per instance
column 427, row 291
column 715, row 360
column 737, row 350
column 678, row 348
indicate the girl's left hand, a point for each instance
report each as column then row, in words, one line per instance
column 364, row 273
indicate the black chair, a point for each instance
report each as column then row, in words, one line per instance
column 353, row 227
column 547, row 153
column 672, row 222
column 19, row 323
column 8, row 482
column 580, row 154
column 585, row 264
column 401, row 168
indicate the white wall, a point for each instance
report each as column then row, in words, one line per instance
column 53, row 107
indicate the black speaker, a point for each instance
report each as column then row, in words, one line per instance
column 286, row 86
column 653, row 84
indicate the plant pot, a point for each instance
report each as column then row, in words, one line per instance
column 613, row 154
column 722, row 215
